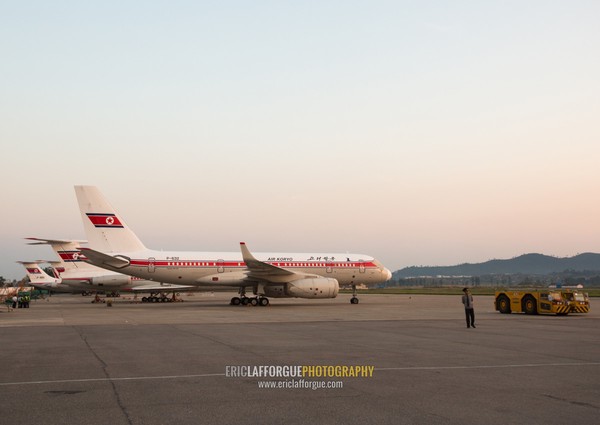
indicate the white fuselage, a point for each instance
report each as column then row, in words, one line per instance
column 229, row 269
column 93, row 279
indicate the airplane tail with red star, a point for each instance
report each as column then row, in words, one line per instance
column 105, row 230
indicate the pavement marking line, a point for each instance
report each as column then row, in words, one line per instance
column 134, row 378
column 207, row 375
column 488, row 366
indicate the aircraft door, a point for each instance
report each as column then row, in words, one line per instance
column 361, row 266
column 329, row 267
column 151, row 261
column 220, row 266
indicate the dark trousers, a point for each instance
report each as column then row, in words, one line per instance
column 470, row 315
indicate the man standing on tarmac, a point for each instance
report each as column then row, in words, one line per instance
column 467, row 300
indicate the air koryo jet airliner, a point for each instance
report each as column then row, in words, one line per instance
column 113, row 246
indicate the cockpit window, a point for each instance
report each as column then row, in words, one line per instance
column 554, row 296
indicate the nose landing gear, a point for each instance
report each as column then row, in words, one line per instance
column 354, row 299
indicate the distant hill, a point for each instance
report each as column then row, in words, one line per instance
column 534, row 264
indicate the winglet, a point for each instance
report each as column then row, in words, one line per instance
column 246, row 255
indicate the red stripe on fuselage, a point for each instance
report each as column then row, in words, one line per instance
column 231, row 264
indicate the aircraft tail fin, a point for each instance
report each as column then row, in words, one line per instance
column 68, row 252
column 106, row 231
column 37, row 275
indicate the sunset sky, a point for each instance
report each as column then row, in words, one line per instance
column 418, row 132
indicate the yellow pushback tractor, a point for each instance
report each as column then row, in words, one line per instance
column 532, row 302
column 579, row 302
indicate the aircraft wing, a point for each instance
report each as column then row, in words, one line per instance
column 158, row 287
column 265, row 272
column 101, row 259
column 260, row 268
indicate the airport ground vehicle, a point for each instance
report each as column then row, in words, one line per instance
column 531, row 302
column 579, row 302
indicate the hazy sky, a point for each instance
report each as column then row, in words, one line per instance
column 419, row 132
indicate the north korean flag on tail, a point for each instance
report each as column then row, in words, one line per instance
column 104, row 220
column 71, row 256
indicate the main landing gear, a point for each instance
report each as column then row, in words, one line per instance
column 159, row 297
column 253, row 301
column 354, row 299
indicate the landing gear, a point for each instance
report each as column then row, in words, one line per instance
column 354, row 299
column 253, row 301
column 159, row 297
column 239, row 300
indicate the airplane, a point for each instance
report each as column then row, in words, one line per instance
column 114, row 246
column 42, row 280
column 39, row 279
column 74, row 272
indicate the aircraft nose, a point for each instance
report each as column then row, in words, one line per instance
column 387, row 273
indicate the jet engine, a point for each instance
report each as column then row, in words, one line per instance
column 318, row 287
column 110, row 281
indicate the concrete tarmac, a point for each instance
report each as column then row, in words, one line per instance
column 67, row 361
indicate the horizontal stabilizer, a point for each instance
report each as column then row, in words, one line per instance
column 41, row 262
column 41, row 241
column 101, row 259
